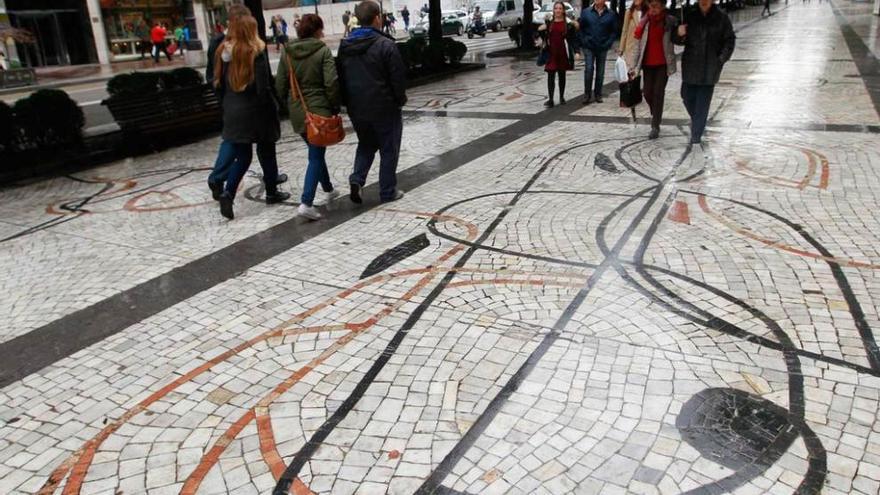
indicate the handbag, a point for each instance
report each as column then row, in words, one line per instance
column 631, row 92
column 320, row 130
column 543, row 56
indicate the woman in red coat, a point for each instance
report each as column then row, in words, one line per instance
column 559, row 35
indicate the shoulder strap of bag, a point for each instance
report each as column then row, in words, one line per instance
column 294, row 84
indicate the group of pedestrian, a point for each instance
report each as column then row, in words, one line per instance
column 368, row 78
column 155, row 40
column 279, row 31
column 647, row 46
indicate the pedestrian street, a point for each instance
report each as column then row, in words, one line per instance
column 557, row 305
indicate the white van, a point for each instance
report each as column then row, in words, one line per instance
column 500, row 14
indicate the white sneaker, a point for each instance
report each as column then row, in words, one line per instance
column 309, row 212
column 327, row 197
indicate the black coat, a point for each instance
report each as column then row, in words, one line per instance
column 251, row 116
column 372, row 74
column 708, row 45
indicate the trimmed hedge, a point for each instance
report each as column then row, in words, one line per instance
column 48, row 119
column 417, row 53
column 41, row 127
column 146, row 83
column 7, row 127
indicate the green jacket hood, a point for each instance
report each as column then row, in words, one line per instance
column 301, row 49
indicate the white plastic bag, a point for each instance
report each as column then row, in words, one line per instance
column 620, row 70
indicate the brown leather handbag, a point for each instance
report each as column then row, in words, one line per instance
column 320, row 130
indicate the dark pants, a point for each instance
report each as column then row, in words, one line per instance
column 226, row 159
column 654, row 81
column 145, row 46
column 766, row 8
column 316, row 173
column 594, row 62
column 158, row 48
column 697, row 98
column 551, row 80
column 382, row 135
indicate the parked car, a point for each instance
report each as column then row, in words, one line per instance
column 454, row 22
column 500, row 14
column 546, row 10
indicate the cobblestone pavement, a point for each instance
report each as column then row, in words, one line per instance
column 558, row 305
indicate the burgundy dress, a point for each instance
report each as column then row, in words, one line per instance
column 558, row 52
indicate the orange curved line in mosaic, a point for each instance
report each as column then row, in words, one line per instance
column 131, row 204
column 267, row 441
column 80, row 461
column 814, row 160
column 264, row 423
column 777, row 244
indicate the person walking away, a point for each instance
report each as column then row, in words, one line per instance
column 373, row 78
column 265, row 149
column 275, row 26
column 655, row 56
column 346, row 17
column 145, row 43
column 247, row 95
column 404, row 14
column 315, row 72
column 559, row 35
column 709, row 40
column 353, row 24
column 628, row 42
column 180, row 36
column 598, row 28
column 157, row 37
column 766, row 8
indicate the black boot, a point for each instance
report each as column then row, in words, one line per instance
column 277, row 197
column 226, row 206
column 216, row 189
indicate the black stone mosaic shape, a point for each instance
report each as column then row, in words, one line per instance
column 396, row 254
column 602, row 162
column 735, row 429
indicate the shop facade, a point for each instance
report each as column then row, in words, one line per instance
column 72, row 32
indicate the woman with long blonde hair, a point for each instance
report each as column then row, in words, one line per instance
column 246, row 90
column 628, row 42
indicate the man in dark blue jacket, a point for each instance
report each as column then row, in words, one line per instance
column 598, row 26
column 373, row 78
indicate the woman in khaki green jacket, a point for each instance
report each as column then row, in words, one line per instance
column 628, row 42
column 315, row 72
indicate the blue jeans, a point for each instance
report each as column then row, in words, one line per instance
column 595, row 62
column 697, row 98
column 382, row 135
column 266, row 155
column 316, row 172
column 242, row 154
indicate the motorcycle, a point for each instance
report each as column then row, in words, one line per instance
column 476, row 28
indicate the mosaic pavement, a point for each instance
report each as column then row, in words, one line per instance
column 558, row 305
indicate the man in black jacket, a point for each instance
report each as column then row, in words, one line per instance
column 373, row 78
column 265, row 149
column 708, row 39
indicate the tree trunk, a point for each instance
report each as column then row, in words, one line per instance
column 256, row 7
column 527, row 38
column 435, row 23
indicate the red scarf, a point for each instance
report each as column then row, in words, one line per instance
column 655, row 20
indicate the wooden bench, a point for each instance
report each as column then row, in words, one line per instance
column 194, row 110
column 13, row 78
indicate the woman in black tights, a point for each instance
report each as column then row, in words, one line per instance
column 559, row 34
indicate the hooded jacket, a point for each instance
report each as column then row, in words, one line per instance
column 373, row 75
column 708, row 45
column 315, row 72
